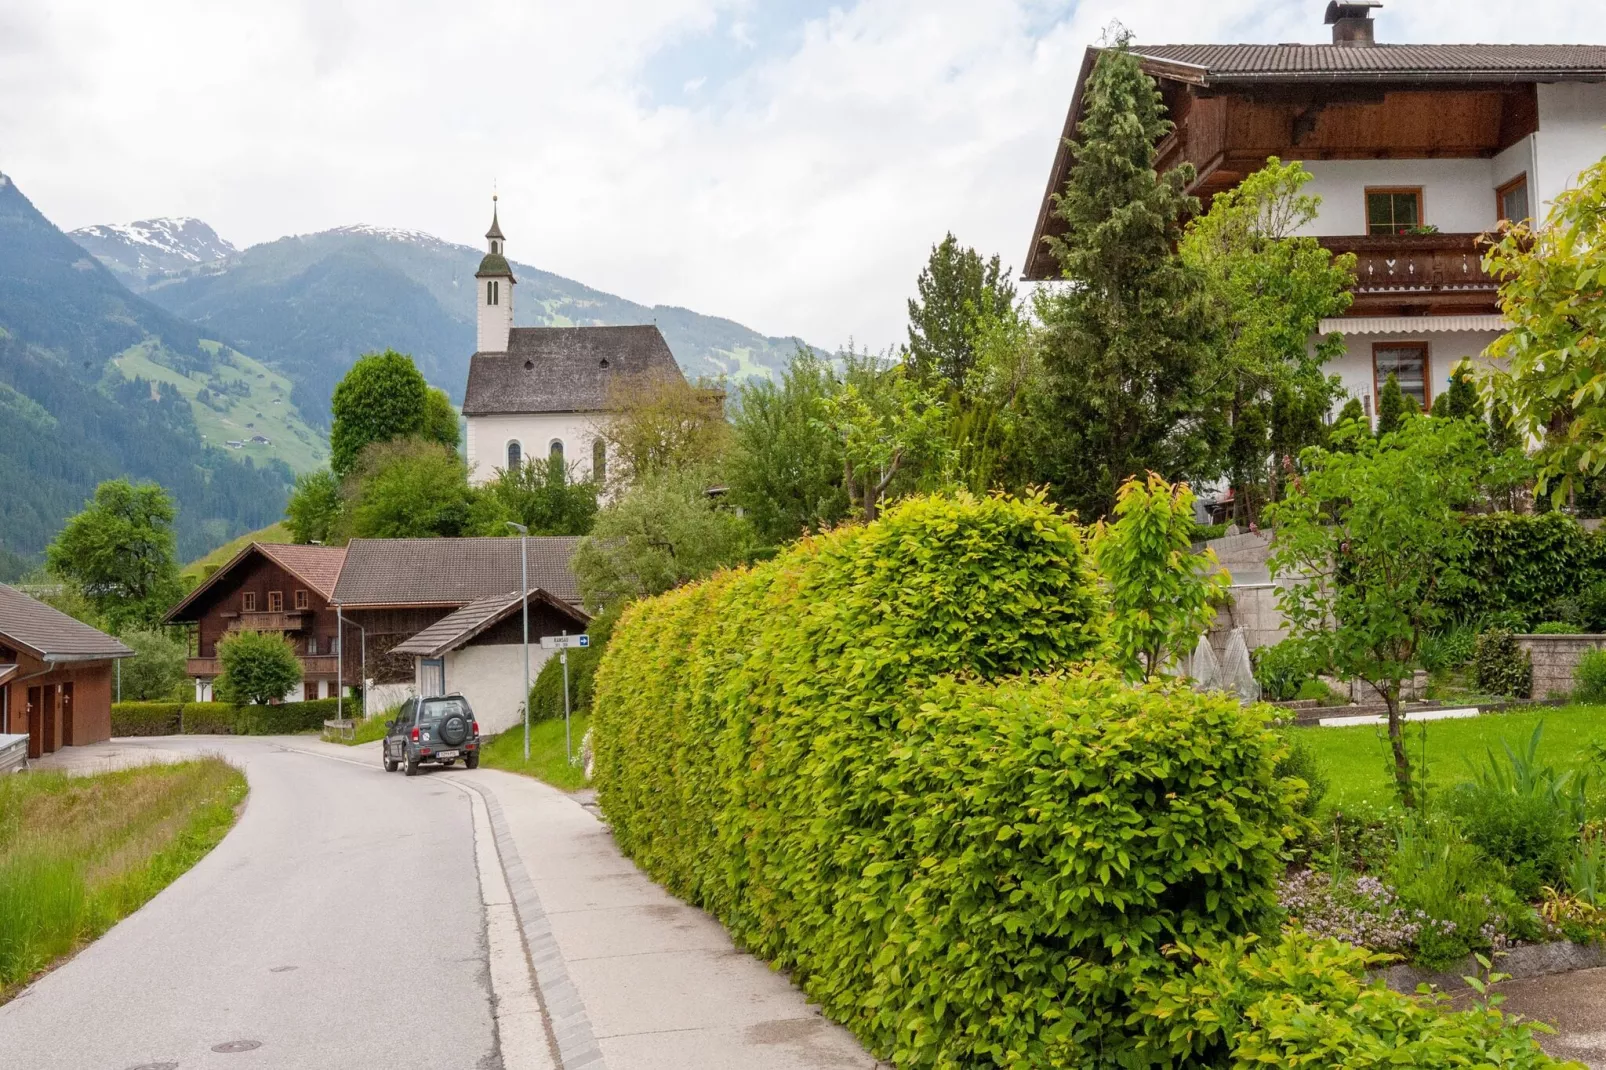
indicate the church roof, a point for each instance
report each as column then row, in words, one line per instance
column 496, row 228
column 564, row 369
column 495, row 264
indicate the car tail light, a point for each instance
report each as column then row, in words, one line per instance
column 415, row 735
column 474, row 726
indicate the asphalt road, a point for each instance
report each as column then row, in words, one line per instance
column 340, row 924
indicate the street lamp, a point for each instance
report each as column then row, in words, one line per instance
column 524, row 586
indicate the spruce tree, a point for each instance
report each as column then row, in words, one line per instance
column 1126, row 343
column 1462, row 400
column 1390, row 406
column 957, row 291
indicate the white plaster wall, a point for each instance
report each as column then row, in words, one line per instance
column 1457, row 195
column 491, row 677
column 1445, row 349
column 488, row 437
column 495, row 320
column 1571, row 137
column 1512, row 162
column 377, row 698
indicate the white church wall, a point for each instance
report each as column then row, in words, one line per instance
column 488, row 438
column 493, row 321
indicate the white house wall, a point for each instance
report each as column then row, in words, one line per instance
column 491, row 677
column 1445, row 349
column 488, row 437
column 1571, row 137
column 1458, row 196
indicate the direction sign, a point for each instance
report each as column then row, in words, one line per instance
column 561, row 642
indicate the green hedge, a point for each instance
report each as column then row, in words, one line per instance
column 219, row 718
column 145, row 718
column 1535, row 568
column 546, row 694
column 965, row 873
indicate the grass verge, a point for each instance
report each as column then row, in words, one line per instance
column 368, row 730
column 547, row 760
column 78, row 854
column 1359, row 770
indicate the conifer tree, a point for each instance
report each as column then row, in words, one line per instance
column 1390, row 406
column 957, row 291
column 1125, row 344
column 1462, row 400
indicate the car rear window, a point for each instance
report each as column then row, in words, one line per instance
column 435, row 711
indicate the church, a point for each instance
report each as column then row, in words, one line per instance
column 535, row 392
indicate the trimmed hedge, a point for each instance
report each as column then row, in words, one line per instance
column 145, row 718
column 965, row 873
column 219, row 718
column 1529, row 567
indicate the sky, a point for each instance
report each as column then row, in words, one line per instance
column 784, row 163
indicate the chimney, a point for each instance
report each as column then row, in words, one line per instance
column 1352, row 22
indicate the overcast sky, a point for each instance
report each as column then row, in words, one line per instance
column 784, row 164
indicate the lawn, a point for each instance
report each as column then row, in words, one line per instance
column 198, row 570
column 1359, row 772
column 77, row 854
column 547, row 761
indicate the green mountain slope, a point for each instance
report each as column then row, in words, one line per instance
column 70, row 418
column 312, row 304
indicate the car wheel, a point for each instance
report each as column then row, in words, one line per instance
column 390, row 763
column 472, row 761
column 411, row 769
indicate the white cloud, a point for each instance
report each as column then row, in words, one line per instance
column 797, row 189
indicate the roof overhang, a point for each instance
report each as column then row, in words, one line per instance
column 172, row 615
column 435, row 648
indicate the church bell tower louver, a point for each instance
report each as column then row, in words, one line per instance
column 494, row 285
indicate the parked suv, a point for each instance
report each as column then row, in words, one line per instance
column 440, row 729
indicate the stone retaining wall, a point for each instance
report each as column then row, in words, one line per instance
column 1555, row 657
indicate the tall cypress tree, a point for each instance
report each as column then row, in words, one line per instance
column 1126, row 342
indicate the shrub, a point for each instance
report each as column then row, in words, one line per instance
column 956, row 868
column 1299, row 761
column 1281, row 670
column 1555, row 627
column 256, row 667
column 1521, row 565
column 1306, row 1001
column 546, row 694
column 156, row 672
column 1590, row 677
column 285, row 718
column 1524, row 832
column 1451, row 650
column 145, row 718
column 1501, row 667
column 210, row 718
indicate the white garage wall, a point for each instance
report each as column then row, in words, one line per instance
column 491, row 677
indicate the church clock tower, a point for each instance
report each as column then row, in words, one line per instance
column 495, row 282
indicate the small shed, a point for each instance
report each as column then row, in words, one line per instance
column 55, row 675
column 478, row 652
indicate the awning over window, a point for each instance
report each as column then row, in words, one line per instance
column 1413, row 324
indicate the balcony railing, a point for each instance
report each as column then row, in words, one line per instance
column 292, row 620
column 1404, row 266
column 311, row 665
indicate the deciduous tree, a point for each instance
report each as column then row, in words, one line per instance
column 156, row 672
column 313, row 512
column 538, row 494
column 662, row 422
column 382, row 397
column 119, row 551
column 257, row 667
column 887, row 424
column 406, row 488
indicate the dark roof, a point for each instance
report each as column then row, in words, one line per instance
column 49, row 634
column 316, row 566
column 496, row 228
column 456, row 629
column 564, row 369
column 451, row 572
column 495, row 264
column 1383, row 62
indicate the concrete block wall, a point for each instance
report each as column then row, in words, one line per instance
column 1555, row 657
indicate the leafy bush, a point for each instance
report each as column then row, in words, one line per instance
column 1439, row 875
column 1309, row 1002
column 145, row 718
column 1299, row 760
column 284, row 718
column 1206, row 532
column 1449, row 651
column 156, row 672
column 1521, row 565
column 209, row 718
column 1524, row 832
column 1590, row 677
column 1281, row 670
column 955, row 868
column 256, row 667
column 546, row 694
column 1555, row 627
column 1501, row 667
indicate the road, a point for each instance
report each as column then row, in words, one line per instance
column 340, row 924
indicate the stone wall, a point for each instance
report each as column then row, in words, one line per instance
column 1253, row 607
column 1555, row 657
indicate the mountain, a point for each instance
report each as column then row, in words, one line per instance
column 312, row 304
column 136, row 252
column 75, row 408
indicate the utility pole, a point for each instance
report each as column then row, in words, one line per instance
column 524, row 587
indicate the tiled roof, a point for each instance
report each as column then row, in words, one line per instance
column 1220, row 63
column 455, row 629
column 564, row 369
column 49, row 633
column 451, row 572
column 318, row 565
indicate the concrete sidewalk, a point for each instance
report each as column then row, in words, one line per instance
column 632, row 978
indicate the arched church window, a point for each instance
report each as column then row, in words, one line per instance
column 599, row 460
column 556, row 448
column 490, row 292
column 515, row 456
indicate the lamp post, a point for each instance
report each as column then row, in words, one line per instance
column 524, row 588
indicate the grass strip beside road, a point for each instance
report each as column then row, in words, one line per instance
column 1359, row 768
column 369, row 730
column 547, row 761
column 78, row 854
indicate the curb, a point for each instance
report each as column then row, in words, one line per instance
column 1532, row 960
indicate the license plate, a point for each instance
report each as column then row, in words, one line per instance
column 447, row 754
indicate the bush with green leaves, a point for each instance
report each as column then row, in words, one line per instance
column 1525, row 565
column 546, row 694
column 1500, row 666
column 956, row 866
column 209, row 718
column 285, row 718
column 256, row 667
column 145, row 718
column 1555, row 627
column 1449, row 650
column 1281, row 669
column 156, row 672
column 1589, row 677
column 1299, row 761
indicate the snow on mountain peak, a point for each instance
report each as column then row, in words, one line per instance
column 401, row 234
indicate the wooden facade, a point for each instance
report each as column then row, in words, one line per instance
column 55, row 676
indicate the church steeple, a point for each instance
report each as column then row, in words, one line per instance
column 494, row 289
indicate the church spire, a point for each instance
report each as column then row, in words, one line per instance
column 494, row 284
column 495, row 233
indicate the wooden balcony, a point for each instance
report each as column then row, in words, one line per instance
column 1420, row 273
column 311, row 665
column 291, row 620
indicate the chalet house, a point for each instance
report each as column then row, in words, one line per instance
column 269, row 587
column 535, row 392
column 1415, row 150
column 56, row 675
column 347, row 610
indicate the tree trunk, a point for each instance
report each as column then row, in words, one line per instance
column 1402, row 763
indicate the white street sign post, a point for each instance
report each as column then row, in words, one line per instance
column 562, row 644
